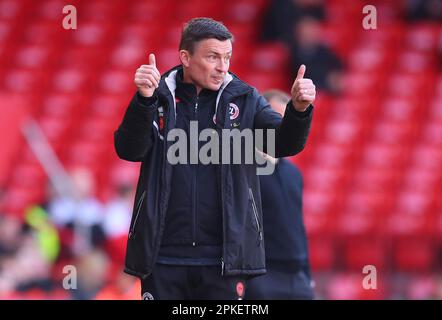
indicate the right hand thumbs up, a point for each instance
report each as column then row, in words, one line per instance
column 147, row 77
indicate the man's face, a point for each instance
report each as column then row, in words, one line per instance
column 209, row 63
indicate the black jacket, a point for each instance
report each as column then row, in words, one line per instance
column 142, row 137
column 284, row 230
column 193, row 218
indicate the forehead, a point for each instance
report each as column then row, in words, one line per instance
column 214, row 45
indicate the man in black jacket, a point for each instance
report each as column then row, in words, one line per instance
column 196, row 230
column 288, row 269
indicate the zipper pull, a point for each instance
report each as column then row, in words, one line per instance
column 222, row 266
column 196, row 105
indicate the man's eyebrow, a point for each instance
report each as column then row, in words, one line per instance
column 220, row 54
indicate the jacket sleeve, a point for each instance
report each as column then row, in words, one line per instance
column 134, row 137
column 291, row 131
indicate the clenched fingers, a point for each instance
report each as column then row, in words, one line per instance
column 146, row 79
column 145, row 68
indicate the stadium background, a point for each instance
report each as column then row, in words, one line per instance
column 372, row 165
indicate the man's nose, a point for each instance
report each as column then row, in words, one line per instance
column 223, row 66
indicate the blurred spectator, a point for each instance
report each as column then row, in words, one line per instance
column 288, row 268
column 297, row 23
column 83, row 214
column 118, row 213
column 92, row 274
column 10, row 239
column 124, row 288
column 23, row 266
column 46, row 234
column 282, row 14
column 424, row 10
column 10, row 232
column 323, row 66
column 439, row 53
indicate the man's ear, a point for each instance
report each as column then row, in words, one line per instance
column 185, row 57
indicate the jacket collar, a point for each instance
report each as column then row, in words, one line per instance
column 232, row 85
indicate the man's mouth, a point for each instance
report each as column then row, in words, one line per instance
column 218, row 79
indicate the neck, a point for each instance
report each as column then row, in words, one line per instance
column 188, row 79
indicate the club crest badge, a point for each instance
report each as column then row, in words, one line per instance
column 147, row 296
column 233, row 111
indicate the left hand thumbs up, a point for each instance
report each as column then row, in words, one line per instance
column 303, row 91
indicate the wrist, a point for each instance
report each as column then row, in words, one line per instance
column 299, row 108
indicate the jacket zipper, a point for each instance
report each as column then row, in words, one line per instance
column 255, row 213
column 195, row 184
column 140, row 203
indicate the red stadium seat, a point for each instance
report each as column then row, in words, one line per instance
column 373, row 59
column 351, row 223
column 244, row 11
column 403, row 224
column 20, row 80
column 320, row 208
column 343, row 132
column 332, row 156
column 321, row 252
column 362, row 84
column 383, row 156
column 167, row 58
column 69, row 80
column 28, row 175
column 364, row 251
column 271, row 58
column 116, row 81
column 349, row 287
column 129, row 55
column 422, row 37
column 18, row 199
column 263, row 81
column 414, row 255
column 426, row 156
column 43, row 32
column 32, row 56
column 422, row 287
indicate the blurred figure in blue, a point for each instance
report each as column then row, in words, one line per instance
column 288, row 269
column 282, row 14
column 419, row 10
column 308, row 47
column 298, row 24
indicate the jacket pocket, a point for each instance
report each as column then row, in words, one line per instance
column 138, row 209
column 255, row 214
